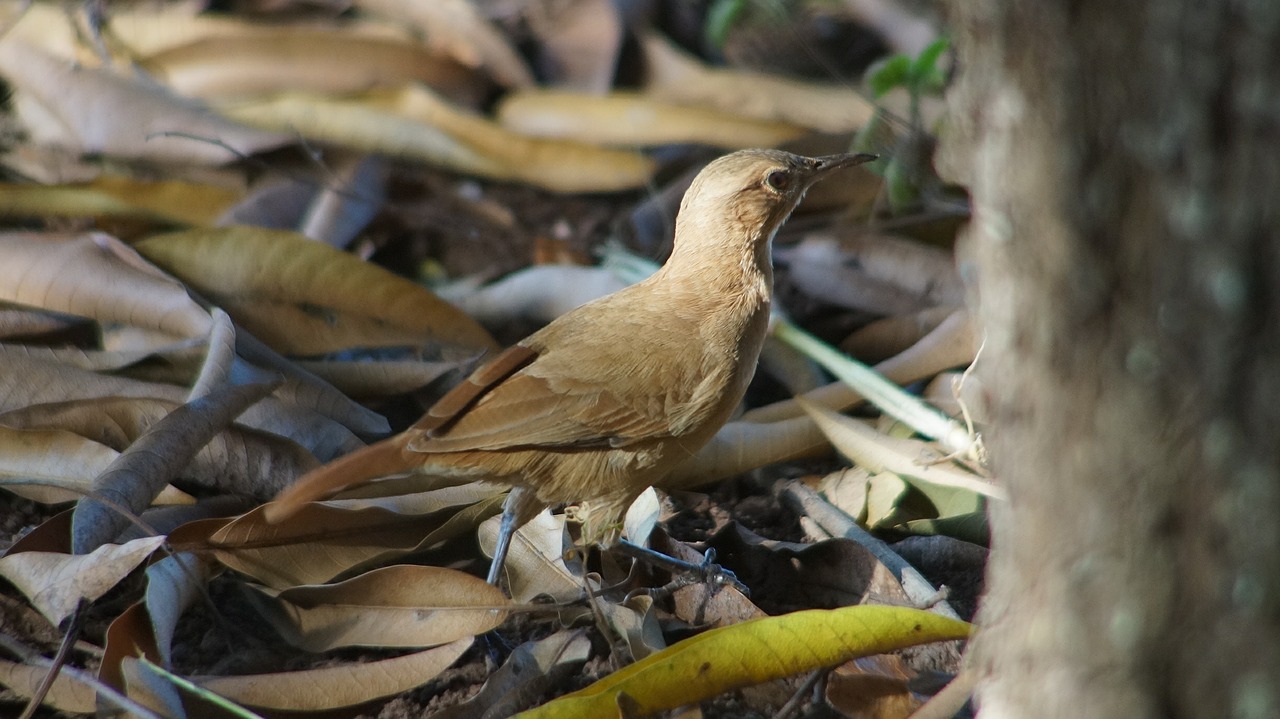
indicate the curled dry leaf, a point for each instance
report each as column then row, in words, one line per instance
column 56, row 583
column 332, row 687
column 623, row 119
column 94, row 111
column 677, row 77
column 323, row 60
column 397, row 606
column 456, row 28
column 305, row 298
column 136, row 477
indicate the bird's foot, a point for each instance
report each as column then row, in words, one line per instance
column 685, row 573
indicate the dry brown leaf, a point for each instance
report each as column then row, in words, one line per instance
column 325, row 60
column 305, row 298
column 414, row 124
column 870, row 696
column 155, row 29
column 623, row 119
column 51, row 466
column 532, row 669
column 169, row 201
column 336, row 686
column 581, row 39
column 94, row 111
column 535, row 562
column 678, row 77
column 540, row 292
column 56, row 583
column 137, row 476
column 456, row 28
column 67, row 694
column 379, row 379
column 885, row 338
column 397, row 606
column 877, row 452
column 880, row 274
column 953, row 343
column 96, row 276
column 320, row 542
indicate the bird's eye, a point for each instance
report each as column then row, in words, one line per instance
column 779, row 180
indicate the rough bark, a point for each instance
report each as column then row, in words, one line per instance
column 1124, row 160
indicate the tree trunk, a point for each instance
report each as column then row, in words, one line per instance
column 1124, row 160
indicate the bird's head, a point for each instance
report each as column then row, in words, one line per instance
column 750, row 193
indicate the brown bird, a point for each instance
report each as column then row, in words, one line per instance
column 604, row 401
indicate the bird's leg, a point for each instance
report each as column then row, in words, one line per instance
column 708, row 571
column 521, row 506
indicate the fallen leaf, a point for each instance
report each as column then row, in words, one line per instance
column 675, row 76
column 169, row 201
column 67, row 694
column 623, row 119
column 305, row 298
column 320, row 543
column 530, row 670
column 755, row 651
column 135, row 478
column 94, row 111
column 456, row 28
column 56, row 583
column 397, row 606
column 337, row 686
column 330, row 60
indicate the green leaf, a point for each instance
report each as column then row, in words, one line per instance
column 971, row 527
column 721, row 18
column 889, row 73
column 899, row 186
column 925, row 66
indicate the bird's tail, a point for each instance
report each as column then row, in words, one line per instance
column 377, row 460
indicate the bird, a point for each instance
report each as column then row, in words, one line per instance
column 605, row 400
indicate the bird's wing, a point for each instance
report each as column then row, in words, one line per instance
column 513, row 405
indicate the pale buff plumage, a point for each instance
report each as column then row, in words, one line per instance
column 607, row 399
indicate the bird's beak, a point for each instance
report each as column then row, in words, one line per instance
column 831, row 163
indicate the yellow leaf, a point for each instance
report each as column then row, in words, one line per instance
column 753, row 652
column 175, row 201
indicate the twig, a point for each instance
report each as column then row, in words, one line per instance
column 805, row 501
column 59, row 660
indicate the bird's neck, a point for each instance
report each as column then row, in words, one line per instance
column 724, row 260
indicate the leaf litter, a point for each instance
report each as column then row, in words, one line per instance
column 176, row 308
